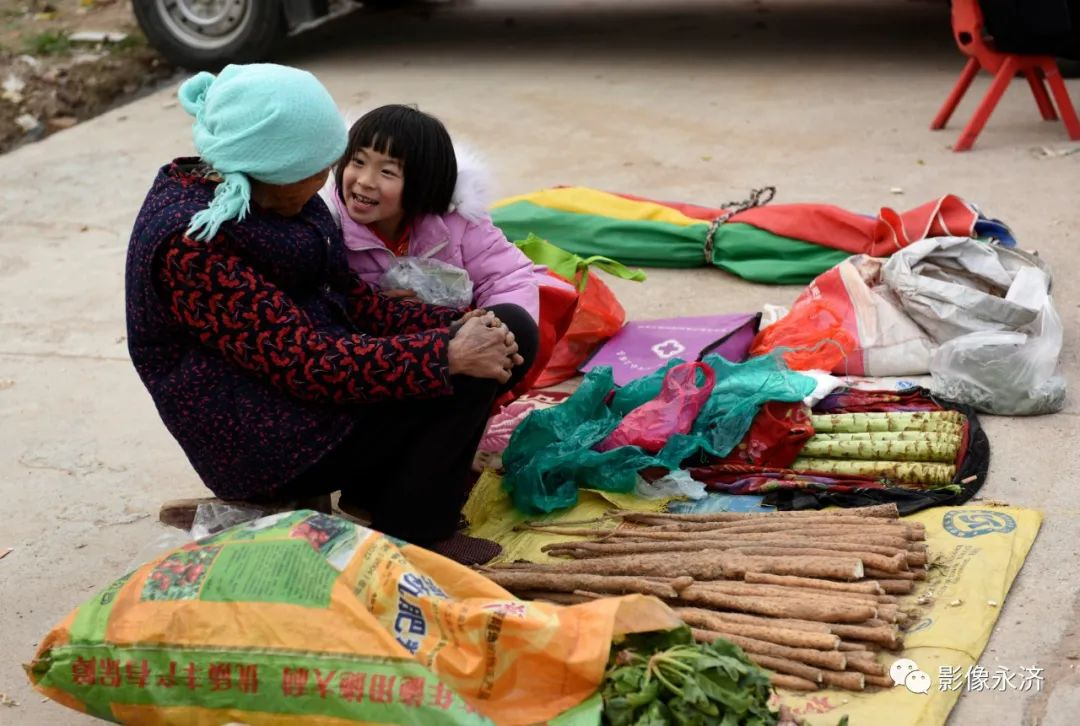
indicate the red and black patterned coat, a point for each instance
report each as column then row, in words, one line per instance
column 256, row 345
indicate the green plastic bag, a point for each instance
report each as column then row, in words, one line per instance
column 550, row 455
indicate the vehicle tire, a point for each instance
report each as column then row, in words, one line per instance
column 207, row 34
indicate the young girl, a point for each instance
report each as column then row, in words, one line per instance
column 397, row 191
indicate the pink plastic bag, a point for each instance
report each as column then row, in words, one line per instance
column 651, row 424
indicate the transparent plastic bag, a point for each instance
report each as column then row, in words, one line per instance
column 434, row 281
column 678, row 483
column 1011, row 373
column 214, row 517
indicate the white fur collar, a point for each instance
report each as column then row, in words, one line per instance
column 472, row 193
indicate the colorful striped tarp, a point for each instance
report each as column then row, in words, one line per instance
column 775, row 243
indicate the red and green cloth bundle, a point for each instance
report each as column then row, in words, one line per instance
column 774, row 243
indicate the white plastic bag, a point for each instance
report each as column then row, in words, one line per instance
column 678, row 483
column 1007, row 372
column 952, row 286
column 434, row 281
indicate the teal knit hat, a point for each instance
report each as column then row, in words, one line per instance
column 271, row 123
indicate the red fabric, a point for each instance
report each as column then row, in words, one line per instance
column 400, row 246
column 840, row 229
column 775, row 438
column 831, row 226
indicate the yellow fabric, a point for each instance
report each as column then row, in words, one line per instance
column 492, row 516
column 582, row 200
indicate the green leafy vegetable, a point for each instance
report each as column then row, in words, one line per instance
column 666, row 678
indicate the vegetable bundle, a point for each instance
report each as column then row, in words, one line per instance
column 904, row 447
column 667, row 678
column 811, row 597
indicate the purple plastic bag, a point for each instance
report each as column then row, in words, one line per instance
column 644, row 346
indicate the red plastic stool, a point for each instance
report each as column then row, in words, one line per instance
column 967, row 22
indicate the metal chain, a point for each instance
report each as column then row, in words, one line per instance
column 758, row 198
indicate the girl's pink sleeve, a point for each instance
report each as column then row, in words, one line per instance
column 500, row 272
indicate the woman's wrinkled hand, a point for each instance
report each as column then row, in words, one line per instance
column 481, row 350
column 479, row 312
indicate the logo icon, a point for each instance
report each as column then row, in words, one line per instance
column 959, row 523
column 668, row 349
column 905, row 672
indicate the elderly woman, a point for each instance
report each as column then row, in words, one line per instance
column 281, row 374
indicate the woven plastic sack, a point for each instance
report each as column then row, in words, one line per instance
column 302, row 618
column 551, row 454
column 672, row 412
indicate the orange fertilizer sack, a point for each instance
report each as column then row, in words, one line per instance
column 304, row 618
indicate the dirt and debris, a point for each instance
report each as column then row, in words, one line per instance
column 64, row 61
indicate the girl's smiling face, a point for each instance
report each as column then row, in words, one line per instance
column 371, row 185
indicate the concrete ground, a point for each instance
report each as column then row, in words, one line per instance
column 699, row 101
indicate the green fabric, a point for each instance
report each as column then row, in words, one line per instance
column 262, row 121
column 652, row 244
column 550, row 455
column 761, row 256
column 741, row 249
column 569, row 266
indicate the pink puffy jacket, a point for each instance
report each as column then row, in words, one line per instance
column 500, row 272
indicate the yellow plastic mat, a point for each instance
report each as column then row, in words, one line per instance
column 976, row 553
column 492, row 516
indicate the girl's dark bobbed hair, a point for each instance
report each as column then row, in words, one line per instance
column 422, row 145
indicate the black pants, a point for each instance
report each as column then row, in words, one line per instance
column 408, row 462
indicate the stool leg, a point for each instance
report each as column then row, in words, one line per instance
column 957, row 93
column 986, row 106
column 1061, row 95
column 1042, row 100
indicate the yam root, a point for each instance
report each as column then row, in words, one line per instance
column 825, row 659
column 896, row 587
column 558, row 598
column 791, row 683
column 518, row 581
column 848, row 680
column 881, row 563
column 773, row 634
column 778, row 607
column 879, row 681
column 809, row 626
column 586, row 549
column 886, row 511
column 866, row 666
column 789, row 667
column 815, row 584
column 883, row 635
column 745, row 589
